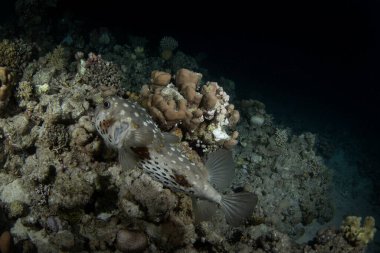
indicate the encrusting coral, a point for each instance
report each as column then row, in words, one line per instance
column 206, row 118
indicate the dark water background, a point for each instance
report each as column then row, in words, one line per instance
column 315, row 65
column 322, row 57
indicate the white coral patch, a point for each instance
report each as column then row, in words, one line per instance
column 220, row 134
column 41, row 89
column 14, row 191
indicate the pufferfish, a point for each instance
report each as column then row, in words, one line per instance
column 127, row 127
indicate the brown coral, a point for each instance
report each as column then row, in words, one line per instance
column 203, row 116
column 6, row 84
column 187, row 82
column 160, row 78
column 6, row 242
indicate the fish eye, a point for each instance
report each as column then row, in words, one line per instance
column 106, row 104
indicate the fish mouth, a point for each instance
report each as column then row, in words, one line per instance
column 105, row 124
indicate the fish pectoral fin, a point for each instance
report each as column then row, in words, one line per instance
column 203, row 210
column 221, row 168
column 171, row 138
column 141, row 138
column 120, row 129
column 127, row 159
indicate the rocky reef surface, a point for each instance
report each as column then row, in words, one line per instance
column 62, row 189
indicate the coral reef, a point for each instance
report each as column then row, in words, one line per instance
column 62, row 189
column 331, row 240
column 272, row 161
column 206, row 118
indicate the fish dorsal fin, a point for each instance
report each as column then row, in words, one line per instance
column 127, row 158
column 171, row 138
column 141, row 138
column 221, row 168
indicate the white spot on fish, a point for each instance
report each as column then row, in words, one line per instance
column 173, row 149
column 145, row 124
column 188, row 167
column 196, row 176
column 125, row 105
column 137, row 114
column 180, row 158
column 122, row 112
column 174, row 162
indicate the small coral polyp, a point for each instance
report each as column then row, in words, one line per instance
column 197, row 111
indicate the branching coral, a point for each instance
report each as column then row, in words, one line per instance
column 355, row 233
column 205, row 116
column 14, row 54
column 57, row 58
column 100, row 73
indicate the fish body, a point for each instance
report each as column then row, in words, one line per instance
column 128, row 128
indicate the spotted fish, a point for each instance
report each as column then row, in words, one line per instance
column 128, row 128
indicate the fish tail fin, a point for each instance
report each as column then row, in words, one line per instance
column 238, row 206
